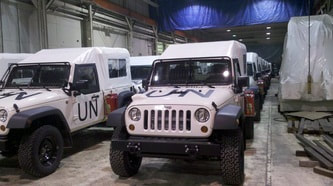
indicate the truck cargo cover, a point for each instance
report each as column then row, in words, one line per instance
column 295, row 59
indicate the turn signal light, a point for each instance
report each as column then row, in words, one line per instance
column 131, row 127
column 2, row 128
column 204, row 129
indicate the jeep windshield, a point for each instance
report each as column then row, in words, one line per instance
column 37, row 75
column 192, row 72
column 140, row 72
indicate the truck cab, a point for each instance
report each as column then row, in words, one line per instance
column 197, row 105
column 50, row 95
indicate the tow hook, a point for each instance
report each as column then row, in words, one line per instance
column 191, row 149
column 133, row 147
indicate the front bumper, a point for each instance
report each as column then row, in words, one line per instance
column 166, row 147
column 3, row 143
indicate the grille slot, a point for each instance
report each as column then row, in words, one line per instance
column 188, row 120
column 167, row 120
column 145, row 120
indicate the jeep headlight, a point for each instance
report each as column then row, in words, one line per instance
column 202, row 115
column 134, row 114
column 3, row 115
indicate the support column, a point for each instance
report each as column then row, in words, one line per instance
column 173, row 37
column 1, row 36
column 130, row 25
column 156, row 40
column 42, row 23
column 87, row 29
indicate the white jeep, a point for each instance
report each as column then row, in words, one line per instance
column 194, row 108
column 53, row 93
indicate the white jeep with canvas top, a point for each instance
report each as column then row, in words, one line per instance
column 195, row 107
column 53, row 93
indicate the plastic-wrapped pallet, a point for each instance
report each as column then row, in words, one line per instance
column 295, row 60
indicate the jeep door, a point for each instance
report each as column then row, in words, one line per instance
column 88, row 104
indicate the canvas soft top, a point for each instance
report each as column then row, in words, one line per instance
column 143, row 60
column 231, row 49
column 74, row 55
column 94, row 55
column 251, row 57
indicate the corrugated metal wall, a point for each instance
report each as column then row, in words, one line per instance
column 20, row 30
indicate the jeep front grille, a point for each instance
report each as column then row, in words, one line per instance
column 167, row 120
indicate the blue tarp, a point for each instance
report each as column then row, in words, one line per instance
column 201, row 14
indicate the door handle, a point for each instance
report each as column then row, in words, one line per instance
column 95, row 97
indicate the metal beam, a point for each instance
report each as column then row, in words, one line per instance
column 49, row 4
column 151, row 3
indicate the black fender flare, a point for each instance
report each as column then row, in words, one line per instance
column 123, row 97
column 228, row 118
column 25, row 119
column 116, row 118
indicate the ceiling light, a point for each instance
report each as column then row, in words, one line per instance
column 268, row 28
column 228, row 30
column 268, row 33
column 240, row 39
column 234, row 35
column 268, row 38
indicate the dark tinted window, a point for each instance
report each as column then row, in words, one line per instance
column 249, row 70
column 87, row 73
column 140, row 72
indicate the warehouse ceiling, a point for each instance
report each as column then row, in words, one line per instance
column 254, row 34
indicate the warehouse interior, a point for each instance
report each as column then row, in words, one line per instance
column 292, row 142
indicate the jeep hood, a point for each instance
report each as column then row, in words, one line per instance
column 28, row 97
column 184, row 96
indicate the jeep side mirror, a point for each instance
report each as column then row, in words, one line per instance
column 145, row 84
column 243, row 81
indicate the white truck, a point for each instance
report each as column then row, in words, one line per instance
column 55, row 92
column 140, row 70
column 6, row 59
column 196, row 106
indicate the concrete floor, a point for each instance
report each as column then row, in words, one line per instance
column 269, row 160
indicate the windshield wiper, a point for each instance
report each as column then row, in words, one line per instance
column 17, row 86
column 208, row 85
column 48, row 89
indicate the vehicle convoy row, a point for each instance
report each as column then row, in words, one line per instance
column 201, row 102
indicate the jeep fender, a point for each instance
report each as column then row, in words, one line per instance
column 25, row 119
column 226, row 118
column 116, row 118
column 124, row 97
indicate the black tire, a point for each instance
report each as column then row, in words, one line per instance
column 249, row 127
column 40, row 152
column 232, row 158
column 257, row 117
column 123, row 163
